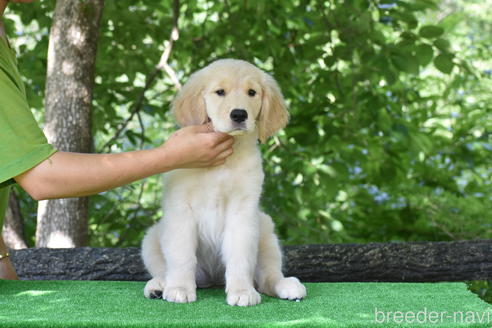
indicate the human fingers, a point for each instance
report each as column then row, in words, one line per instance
column 219, row 137
column 220, row 158
column 227, row 144
column 215, row 137
column 224, row 154
column 218, row 162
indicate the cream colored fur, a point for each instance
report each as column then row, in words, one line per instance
column 213, row 231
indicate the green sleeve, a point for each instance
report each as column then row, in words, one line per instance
column 22, row 143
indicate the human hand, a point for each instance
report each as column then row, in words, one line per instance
column 196, row 147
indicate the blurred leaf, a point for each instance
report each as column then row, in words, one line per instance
column 444, row 63
column 424, row 54
column 406, row 62
column 442, row 44
column 431, row 31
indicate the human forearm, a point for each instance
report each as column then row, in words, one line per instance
column 66, row 174
column 73, row 174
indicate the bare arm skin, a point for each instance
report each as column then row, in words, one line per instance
column 67, row 174
column 6, row 269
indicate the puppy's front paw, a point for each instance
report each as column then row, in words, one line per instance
column 243, row 297
column 154, row 288
column 179, row 294
column 290, row 289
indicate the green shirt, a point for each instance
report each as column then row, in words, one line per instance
column 22, row 143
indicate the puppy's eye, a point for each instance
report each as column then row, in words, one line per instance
column 251, row 92
column 220, row 92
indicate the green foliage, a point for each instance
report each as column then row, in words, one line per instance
column 431, row 31
column 390, row 136
column 482, row 288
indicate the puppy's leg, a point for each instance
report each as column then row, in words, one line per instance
column 179, row 242
column 154, row 262
column 239, row 250
column 269, row 276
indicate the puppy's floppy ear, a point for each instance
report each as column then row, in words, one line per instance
column 189, row 106
column 273, row 115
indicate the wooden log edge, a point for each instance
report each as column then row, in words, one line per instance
column 391, row 262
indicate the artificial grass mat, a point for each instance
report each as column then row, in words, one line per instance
column 25, row 304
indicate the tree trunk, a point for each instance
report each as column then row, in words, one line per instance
column 13, row 225
column 70, row 79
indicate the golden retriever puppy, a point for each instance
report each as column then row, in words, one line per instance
column 213, row 231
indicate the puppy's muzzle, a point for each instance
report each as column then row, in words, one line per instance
column 239, row 115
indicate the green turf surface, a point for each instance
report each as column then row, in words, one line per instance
column 25, row 304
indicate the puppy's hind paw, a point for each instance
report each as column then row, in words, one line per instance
column 153, row 289
column 155, row 294
column 290, row 289
column 244, row 297
column 179, row 294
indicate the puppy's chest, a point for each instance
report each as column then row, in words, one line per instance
column 224, row 186
column 211, row 192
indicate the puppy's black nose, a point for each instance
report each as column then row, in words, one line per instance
column 239, row 115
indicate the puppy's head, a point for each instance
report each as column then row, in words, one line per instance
column 236, row 96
